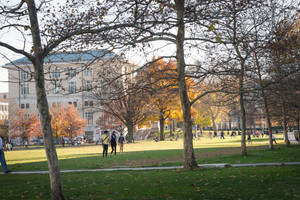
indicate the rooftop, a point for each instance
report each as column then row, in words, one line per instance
column 63, row 57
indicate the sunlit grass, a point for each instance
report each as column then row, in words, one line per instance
column 38, row 155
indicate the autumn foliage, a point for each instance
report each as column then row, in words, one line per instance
column 66, row 122
column 24, row 126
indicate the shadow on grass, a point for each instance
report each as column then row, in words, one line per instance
column 167, row 158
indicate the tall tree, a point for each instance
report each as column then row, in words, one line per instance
column 68, row 27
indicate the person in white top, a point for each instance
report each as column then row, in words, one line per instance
column 2, row 158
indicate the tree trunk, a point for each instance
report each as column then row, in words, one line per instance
column 161, row 126
column 189, row 157
column 242, row 108
column 43, row 107
column 243, row 136
column 130, row 129
column 286, row 139
column 266, row 105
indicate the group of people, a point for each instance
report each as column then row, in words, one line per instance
column 112, row 139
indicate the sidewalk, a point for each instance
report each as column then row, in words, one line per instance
column 222, row 165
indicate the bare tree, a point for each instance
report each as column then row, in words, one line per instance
column 66, row 27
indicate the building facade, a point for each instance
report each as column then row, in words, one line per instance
column 70, row 79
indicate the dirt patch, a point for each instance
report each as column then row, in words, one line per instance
column 154, row 162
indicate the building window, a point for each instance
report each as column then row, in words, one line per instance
column 72, row 72
column 86, row 103
column 70, row 103
column 4, row 96
column 24, row 89
column 22, row 106
column 88, row 85
column 88, row 72
column 91, row 103
column 72, row 86
column 56, row 73
column 89, row 117
column 24, row 75
column 75, row 104
column 27, row 116
column 27, row 105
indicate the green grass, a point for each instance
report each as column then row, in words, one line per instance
column 150, row 153
column 228, row 183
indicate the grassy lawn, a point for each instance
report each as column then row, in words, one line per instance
column 150, row 153
column 229, row 183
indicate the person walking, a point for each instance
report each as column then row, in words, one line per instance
column 249, row 138
column 121, row 142
column 2, row 158
column 113, row 143
column 63, row 142
column 274, row 138
column 105, row 142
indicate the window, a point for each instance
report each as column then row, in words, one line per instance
column 75, row 104
column 88, row 72
column 56, row 73
column 70, row 103
column 89, row 117
column 72, row 87
column 27, row 105
column 24, row 89
column 22, row 106
column 27, row 116
column 24, row 75
column 4, row 96
column 91, row 103
column 88, row 85
column 72, row 72
column 86, row 103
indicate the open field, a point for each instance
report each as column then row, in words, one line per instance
column 145, row 153
column 228, row 183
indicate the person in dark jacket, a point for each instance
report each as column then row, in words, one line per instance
column 113, row 143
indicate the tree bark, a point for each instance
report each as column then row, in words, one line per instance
column 161, row 126
column 189, row 157
column 266, row 105
column 130, row 129
column 43, row 107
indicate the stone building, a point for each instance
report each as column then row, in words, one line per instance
column 69, row 77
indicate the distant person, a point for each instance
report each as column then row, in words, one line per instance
column 121, row 142
column 105, row 142
column 215, row 134
column 2, row 158
column 249, row 138
column 210, row 134
column 63, row 142
column 222, row 135
column 274, row 138
column 113, row 143
column 26, row 144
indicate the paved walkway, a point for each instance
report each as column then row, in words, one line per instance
column 222, row 165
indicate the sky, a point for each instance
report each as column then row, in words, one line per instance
column 3, row 77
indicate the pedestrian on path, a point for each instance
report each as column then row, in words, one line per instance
column 121, row 142
column 2, row 157
column 113, row 143
column 274, row 138
column 105, row 142
column 249, row 138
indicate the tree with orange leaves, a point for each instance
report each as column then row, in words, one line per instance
column 34, row 128
column 164, row 95
column 23, row 124
column 66, row 122
column 165, row 99
column 73, row 124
